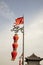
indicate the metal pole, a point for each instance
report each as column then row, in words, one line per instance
column 23, row 49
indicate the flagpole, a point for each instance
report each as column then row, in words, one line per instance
column 23, row 49
column 23, row 46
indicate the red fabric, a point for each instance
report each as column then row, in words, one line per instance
column 15, row 37
column 14, row 54
column 15, row 45
column 19, row 21
column 20, row 63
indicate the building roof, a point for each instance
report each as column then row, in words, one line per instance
column 33, row 57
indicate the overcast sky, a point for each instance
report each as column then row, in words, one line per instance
column 32, row 10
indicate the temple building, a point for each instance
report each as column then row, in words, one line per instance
column 33, row 60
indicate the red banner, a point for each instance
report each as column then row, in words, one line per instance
column 19, row 20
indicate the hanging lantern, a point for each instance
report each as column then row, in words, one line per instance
column 14, row 45
column 14, row 54
column 15, row 37
column 20, row 62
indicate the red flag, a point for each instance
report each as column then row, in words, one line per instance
column 19, row 20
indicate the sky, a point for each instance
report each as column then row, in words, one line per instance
column 32, row 10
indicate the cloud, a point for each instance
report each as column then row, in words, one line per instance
column 34, row 35
column 6, row 12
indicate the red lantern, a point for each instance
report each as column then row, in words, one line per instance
column 15, row 45
column 15, row 37
column 14, row 54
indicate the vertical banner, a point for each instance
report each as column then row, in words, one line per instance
column 18, row 21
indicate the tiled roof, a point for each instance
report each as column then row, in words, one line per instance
column 33, row 57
